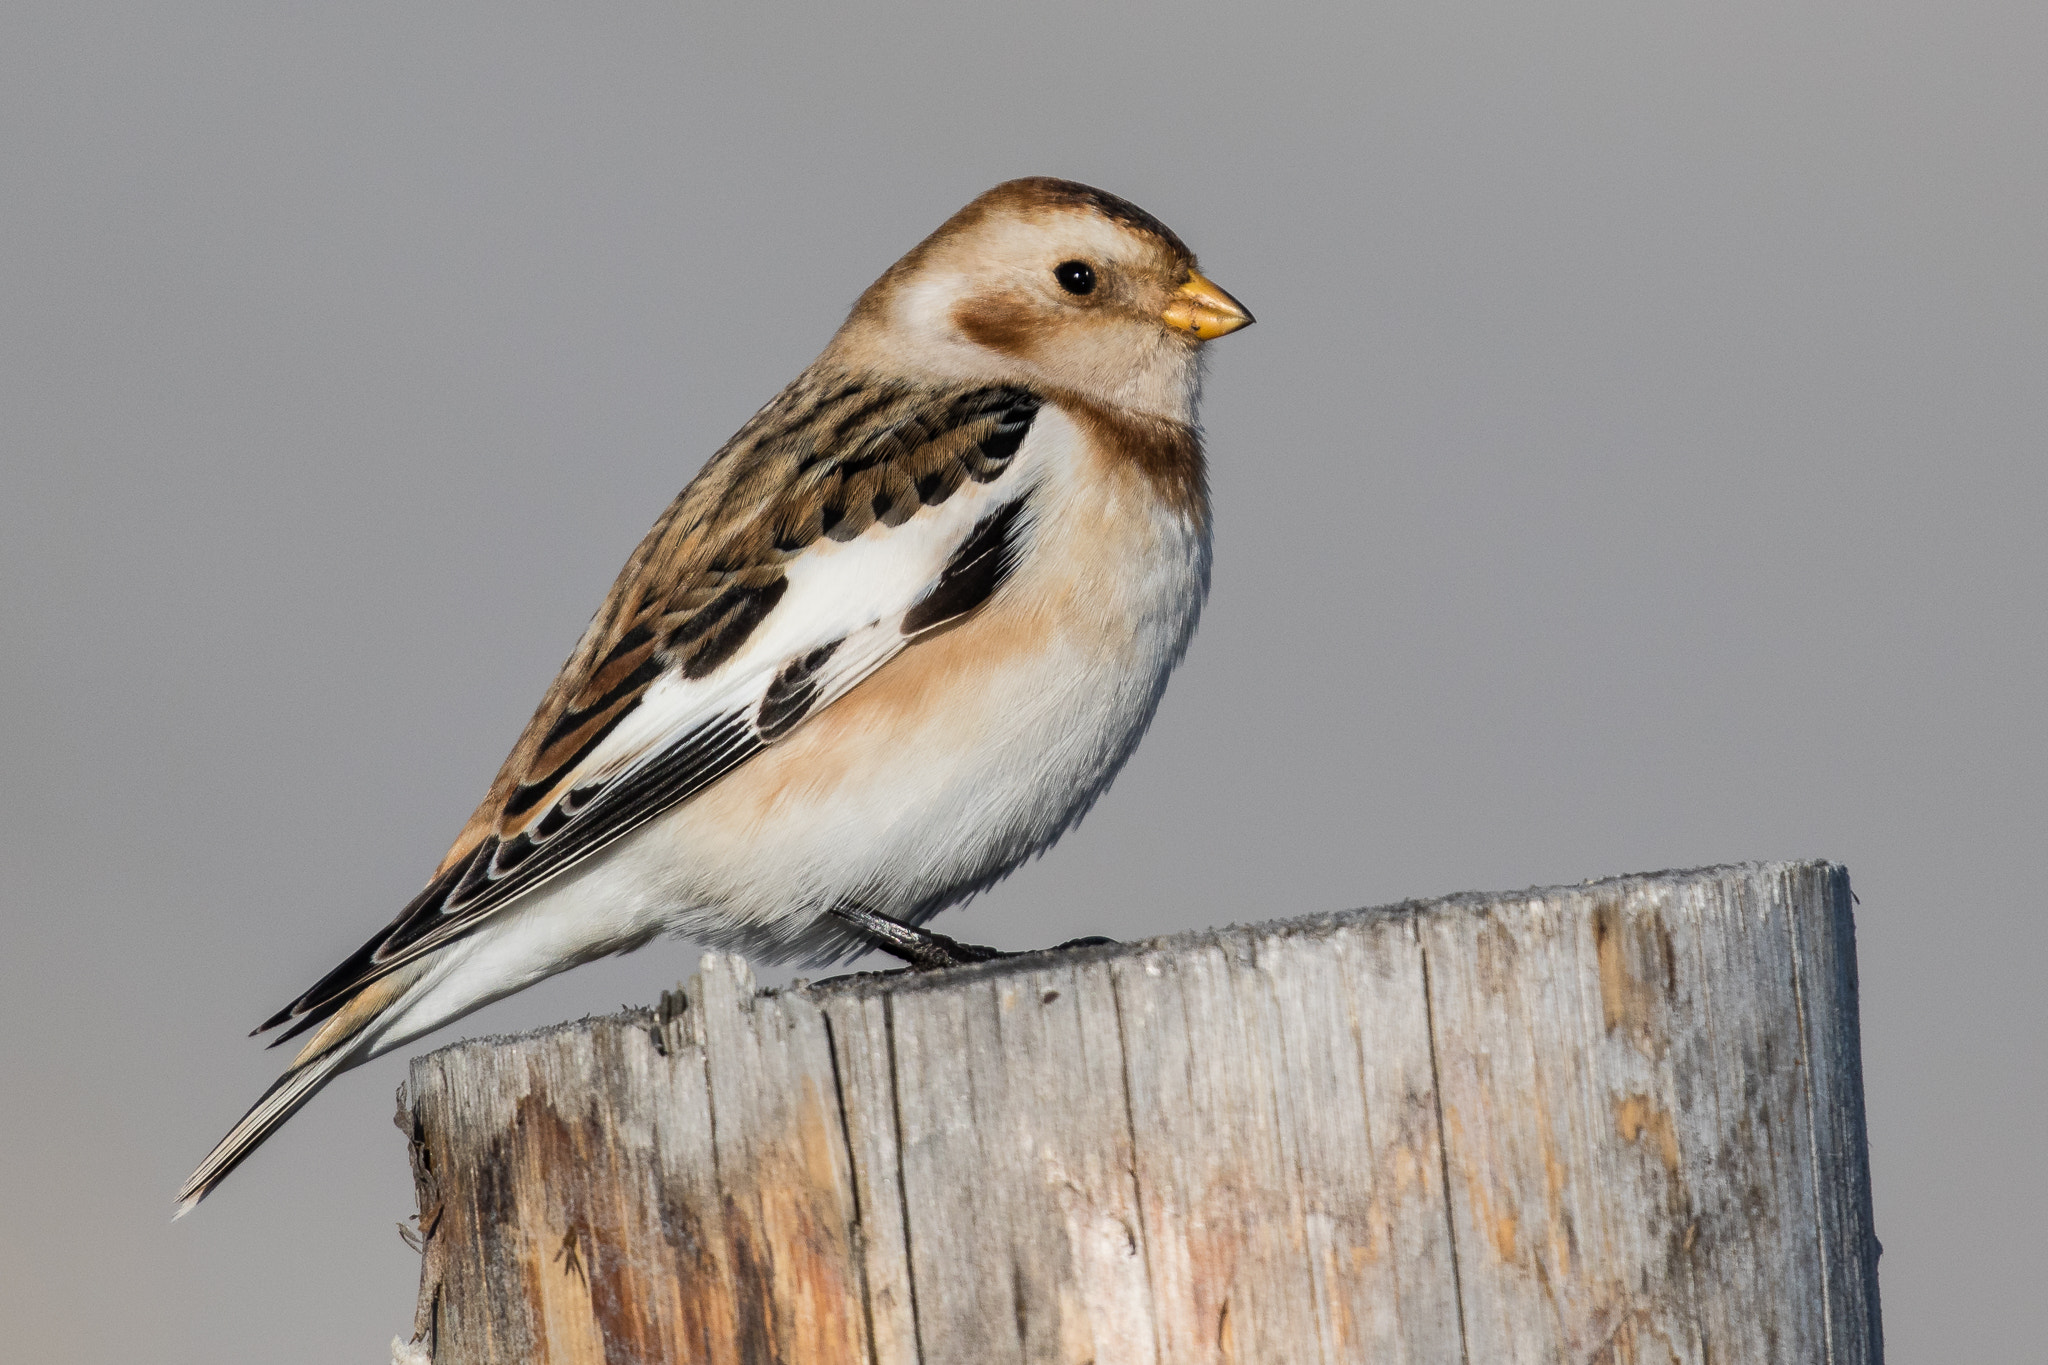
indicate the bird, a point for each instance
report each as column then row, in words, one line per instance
column 895, row 637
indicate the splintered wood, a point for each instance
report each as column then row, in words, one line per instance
column 1619, row 1122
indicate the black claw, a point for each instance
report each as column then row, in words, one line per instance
column 942, row 952
column 1091, row 941
column 924, row 950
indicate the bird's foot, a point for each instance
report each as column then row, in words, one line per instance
column 926, row 951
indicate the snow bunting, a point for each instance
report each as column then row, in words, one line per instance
column 895, row 638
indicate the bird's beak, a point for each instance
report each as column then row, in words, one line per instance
column 1203, row 309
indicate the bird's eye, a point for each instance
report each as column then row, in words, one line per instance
column 1076, row 277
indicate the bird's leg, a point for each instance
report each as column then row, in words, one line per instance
column 921, row 948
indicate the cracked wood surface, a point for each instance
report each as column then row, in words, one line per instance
column 1618, row 1122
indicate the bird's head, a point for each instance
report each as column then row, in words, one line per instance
column 1050, row 283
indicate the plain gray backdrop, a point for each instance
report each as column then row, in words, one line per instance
column 1638, row 463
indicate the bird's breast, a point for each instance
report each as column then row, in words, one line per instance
column 980, row 743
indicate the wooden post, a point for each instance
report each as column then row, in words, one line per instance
column 1616, row 1122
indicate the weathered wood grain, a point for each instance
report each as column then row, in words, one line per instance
column 1618, row 1122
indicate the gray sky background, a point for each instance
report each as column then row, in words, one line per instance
column 1638, row 463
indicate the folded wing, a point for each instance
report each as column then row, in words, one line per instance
column 839, row 526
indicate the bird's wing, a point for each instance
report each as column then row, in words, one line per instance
column 843, row 522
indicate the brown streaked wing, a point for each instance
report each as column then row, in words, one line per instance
column 831, row 456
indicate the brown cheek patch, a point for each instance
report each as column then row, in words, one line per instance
column 1001, row 322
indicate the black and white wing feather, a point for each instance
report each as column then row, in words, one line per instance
column 844, row 522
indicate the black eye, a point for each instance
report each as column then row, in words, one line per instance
column 1076, row 277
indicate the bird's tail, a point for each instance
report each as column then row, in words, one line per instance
column 279, row 1103
column 353, row 1034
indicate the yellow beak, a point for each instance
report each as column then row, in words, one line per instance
column 1205, row 310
